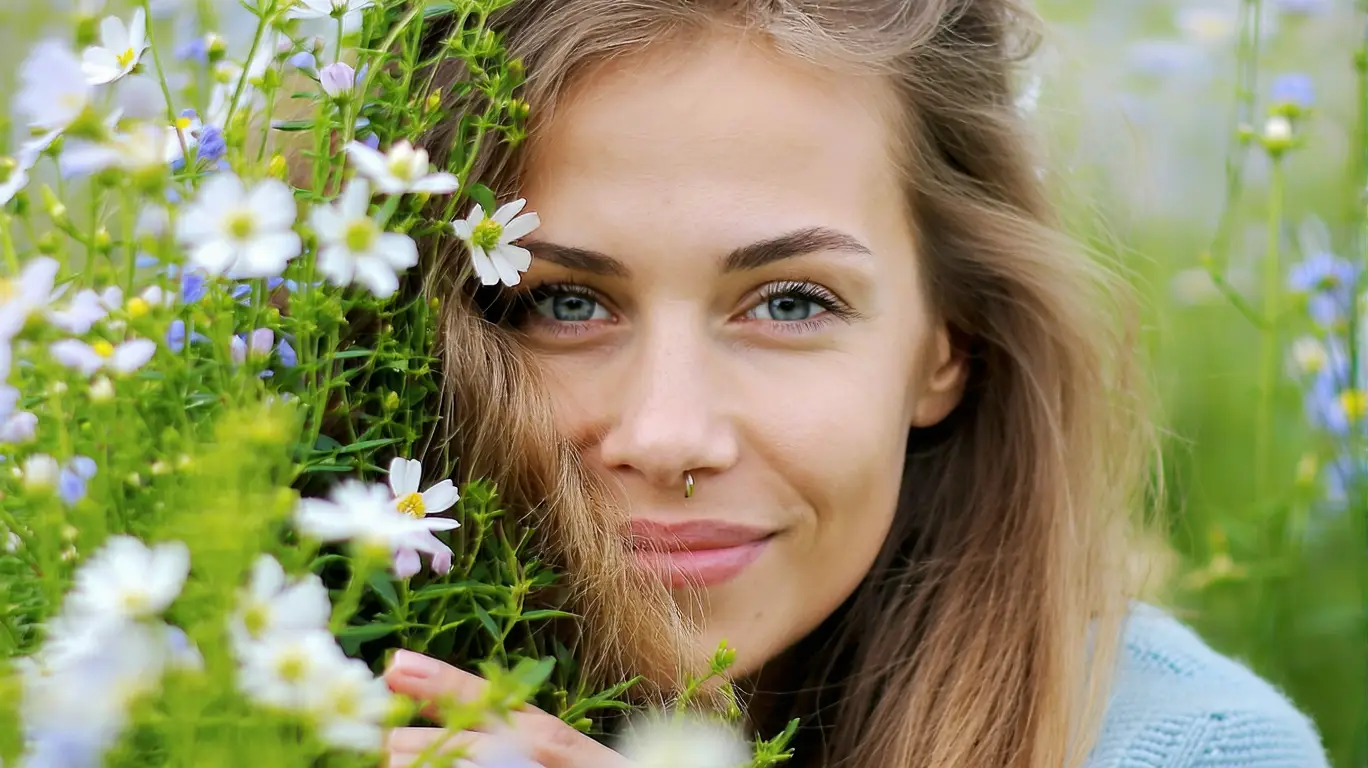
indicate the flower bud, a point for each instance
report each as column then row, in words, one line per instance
column 49, row 243
column 278, row 167
column 215, row 48
column 40, row 472
column 53, row 207
column 1277, row 135
column 102, row 390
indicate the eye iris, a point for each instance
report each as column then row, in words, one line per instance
column 572, row 309
column 790, row 308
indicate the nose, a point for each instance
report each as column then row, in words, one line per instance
column 672, row 414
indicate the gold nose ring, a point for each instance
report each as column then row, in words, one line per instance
column 688, row 485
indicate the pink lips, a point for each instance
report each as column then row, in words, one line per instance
column 697, row 553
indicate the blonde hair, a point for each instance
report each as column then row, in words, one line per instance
column 986, row 631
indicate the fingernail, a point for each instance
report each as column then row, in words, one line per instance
column 416, row 665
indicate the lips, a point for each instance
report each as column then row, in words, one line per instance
column 697, row 553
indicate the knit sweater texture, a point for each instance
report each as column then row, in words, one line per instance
column 1176, row 703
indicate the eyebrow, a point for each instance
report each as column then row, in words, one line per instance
column 747, row 257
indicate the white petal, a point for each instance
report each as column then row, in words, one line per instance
column 76, row 355
column 166, row 575
column 516, row 256
column 113, row 34
column 337, row 265
column 328, row 223
column 214, row 257
column 355, row 201
column 137, row 30
column 476, row 216
column 508, row 273
column 440, row 497
column 437, row 184
column 377, row 276
column 132, row 355
column 268, row 256
column 520, row 227
column 83, row 158
column 368, row 162
column 507, row 211
column 273, row 204
column 324, row 520
column 462, row 229
column 407, row 563
column 399, row 251
column 440, row 523
column 404, row 476
column 100, row 65
column 220, row 192
column 484, row 267
column 268, row 577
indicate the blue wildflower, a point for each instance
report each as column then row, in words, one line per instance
column 175, row 336
column 71, row 481
column 196, row 50
column 1329, row 283
column 1294, row 88
column 286, row 354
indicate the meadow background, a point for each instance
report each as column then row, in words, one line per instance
column 1152, row 112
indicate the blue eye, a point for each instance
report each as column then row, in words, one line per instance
column 566, row 306
column 787, row 308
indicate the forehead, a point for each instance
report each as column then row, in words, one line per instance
column 723, row 127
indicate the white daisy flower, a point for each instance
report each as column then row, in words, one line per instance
column 281, row 670
column 403, row 170
column 127, row 580
column 684, row 743
column 53, row 90
column 348, row 10
column 86, row 309
column 29, row 292
column 240, row 232
column 338, row 80
column 272, row 605
column 102, row 355
column 404, row 477
column 365, row 514
column 120, row 49
column 40, row 472
column 490, row 239
column 145, row 148
column 355, row 249
column 349, row 705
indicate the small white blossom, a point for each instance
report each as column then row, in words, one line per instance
column 403, row 170
column 404, row 477
column 20, row 297
column 54, row 92
column 40, row 472
column 349, row 706
column 1278, row 130
column 337, row 80
column 241, row 232
column 86, row 309
column 280, row 670
column 365, row 514
column 355, row 249
column 272, row 605
column 120, row 49
column 146, row 147
column 127, row 580
column 684, row 743
column 102, row 355
column 490, row 239
column 348, row 10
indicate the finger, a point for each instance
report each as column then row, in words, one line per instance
column 432, row 682
column 431, row 747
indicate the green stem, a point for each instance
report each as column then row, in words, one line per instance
column 1268, row 335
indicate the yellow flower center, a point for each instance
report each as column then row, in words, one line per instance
column 361, row 235
column 183, row 123
column 126, row 58
column 134, row 603
column 345, row 704
column 412, row 505
column 1355, row 403
column 103, row 348
column 402, row 167
column 240, row 225
column 486, row 234
column 138, row 307
column 255, row 619
column 291, row 667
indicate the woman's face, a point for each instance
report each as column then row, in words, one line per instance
column 727, row 285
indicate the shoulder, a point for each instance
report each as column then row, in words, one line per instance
column 1176, row 703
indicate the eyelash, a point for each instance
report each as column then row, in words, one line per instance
column 835, row 308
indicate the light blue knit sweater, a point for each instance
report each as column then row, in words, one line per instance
column 1176, row 703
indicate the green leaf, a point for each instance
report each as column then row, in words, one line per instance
column 540, row 615
column 366, row 445
column 484, row 196
column 381, row 584
column 488, row 622
column 352, row 637
column 326, row 444
column 306, row 124
column 353, row 352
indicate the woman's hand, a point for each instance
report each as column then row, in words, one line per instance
column 538, row 738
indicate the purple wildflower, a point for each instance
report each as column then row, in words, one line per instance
column 1329, row 283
